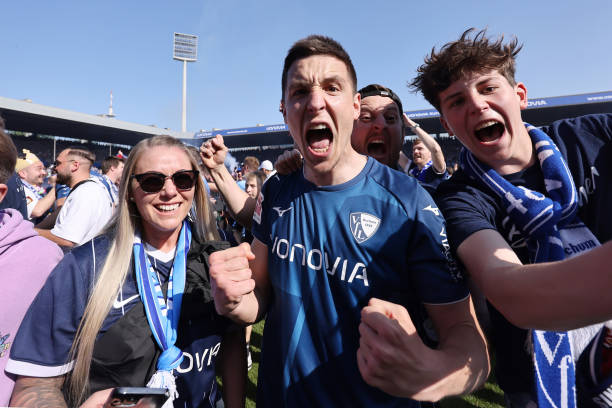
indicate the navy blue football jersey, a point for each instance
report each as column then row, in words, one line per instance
column 331, row 249
column 42, row 344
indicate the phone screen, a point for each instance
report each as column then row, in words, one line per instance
column 137, row 397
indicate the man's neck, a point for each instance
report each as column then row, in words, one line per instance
column 523, row 156
column 345, row 170
column 77, row 178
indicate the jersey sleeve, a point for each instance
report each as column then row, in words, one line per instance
column 466, row 210
column 42, row 344
column 434, row 272
column 259, row 228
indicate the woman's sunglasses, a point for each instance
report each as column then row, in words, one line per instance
column 153, row 182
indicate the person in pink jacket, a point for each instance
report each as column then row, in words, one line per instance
column 26, row 259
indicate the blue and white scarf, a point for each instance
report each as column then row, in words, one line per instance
column 39, row 192
column 163, row 316
column 419, row 174
column 540, row 218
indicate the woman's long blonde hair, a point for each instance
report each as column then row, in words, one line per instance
column 110, row 280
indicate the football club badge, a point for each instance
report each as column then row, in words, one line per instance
column 363, row 226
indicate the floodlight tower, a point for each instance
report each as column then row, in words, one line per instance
column 186, row 50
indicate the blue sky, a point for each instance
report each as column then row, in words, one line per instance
column 71, row 54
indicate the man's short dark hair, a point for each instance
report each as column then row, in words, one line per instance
column 109, row 163
column 457, row 58
column 317, row 45
column 8, row 157
column 83, row 153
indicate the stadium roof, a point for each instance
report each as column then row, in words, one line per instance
column 26, row 116
column 30, row 117
column 539, row 112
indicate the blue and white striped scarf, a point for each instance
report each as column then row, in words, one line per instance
column 163, row 316
column 419, row 174
column 540, row 218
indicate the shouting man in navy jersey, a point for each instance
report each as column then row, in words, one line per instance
column 524, row 196
column 332, row 240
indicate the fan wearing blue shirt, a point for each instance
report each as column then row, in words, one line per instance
column 526, row 213
column 334, row 245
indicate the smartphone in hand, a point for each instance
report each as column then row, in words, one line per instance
column 137, row 397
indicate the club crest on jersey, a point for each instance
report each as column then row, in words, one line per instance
column 363, row 226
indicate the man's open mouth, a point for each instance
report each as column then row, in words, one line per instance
column 489, row 131
column 319, row 138
column 376, row 148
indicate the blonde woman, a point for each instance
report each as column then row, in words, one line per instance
column 133, row 306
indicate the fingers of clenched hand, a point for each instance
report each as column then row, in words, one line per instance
column 231, row 276
column 217, row 143
column 213, row 148
column 382, row 316
column 232, row 263
column 385, row 328
column 382, row 338
column 206, row 150
column 367, row 368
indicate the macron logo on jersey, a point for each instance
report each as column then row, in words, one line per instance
column 282, row 211
column 363, row 226
column 434, row 210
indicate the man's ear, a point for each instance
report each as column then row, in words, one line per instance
column 3, row 190
column 357, row 105
column 521, row 92
column 445, row 126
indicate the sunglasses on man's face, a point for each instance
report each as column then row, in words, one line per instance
column 153, row 182
column 57, row 162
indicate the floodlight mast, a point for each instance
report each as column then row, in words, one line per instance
column 186, row 50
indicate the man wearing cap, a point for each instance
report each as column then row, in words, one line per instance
column 87, row 208
column 379, row 132
column 267, row 168
column 32, row 173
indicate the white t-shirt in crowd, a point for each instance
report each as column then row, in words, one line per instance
column 85, row 213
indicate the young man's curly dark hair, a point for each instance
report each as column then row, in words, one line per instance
column 469, row 53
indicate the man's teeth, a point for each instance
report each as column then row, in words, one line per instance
column 169, row 207
column 486, row 124
column 319, row 127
